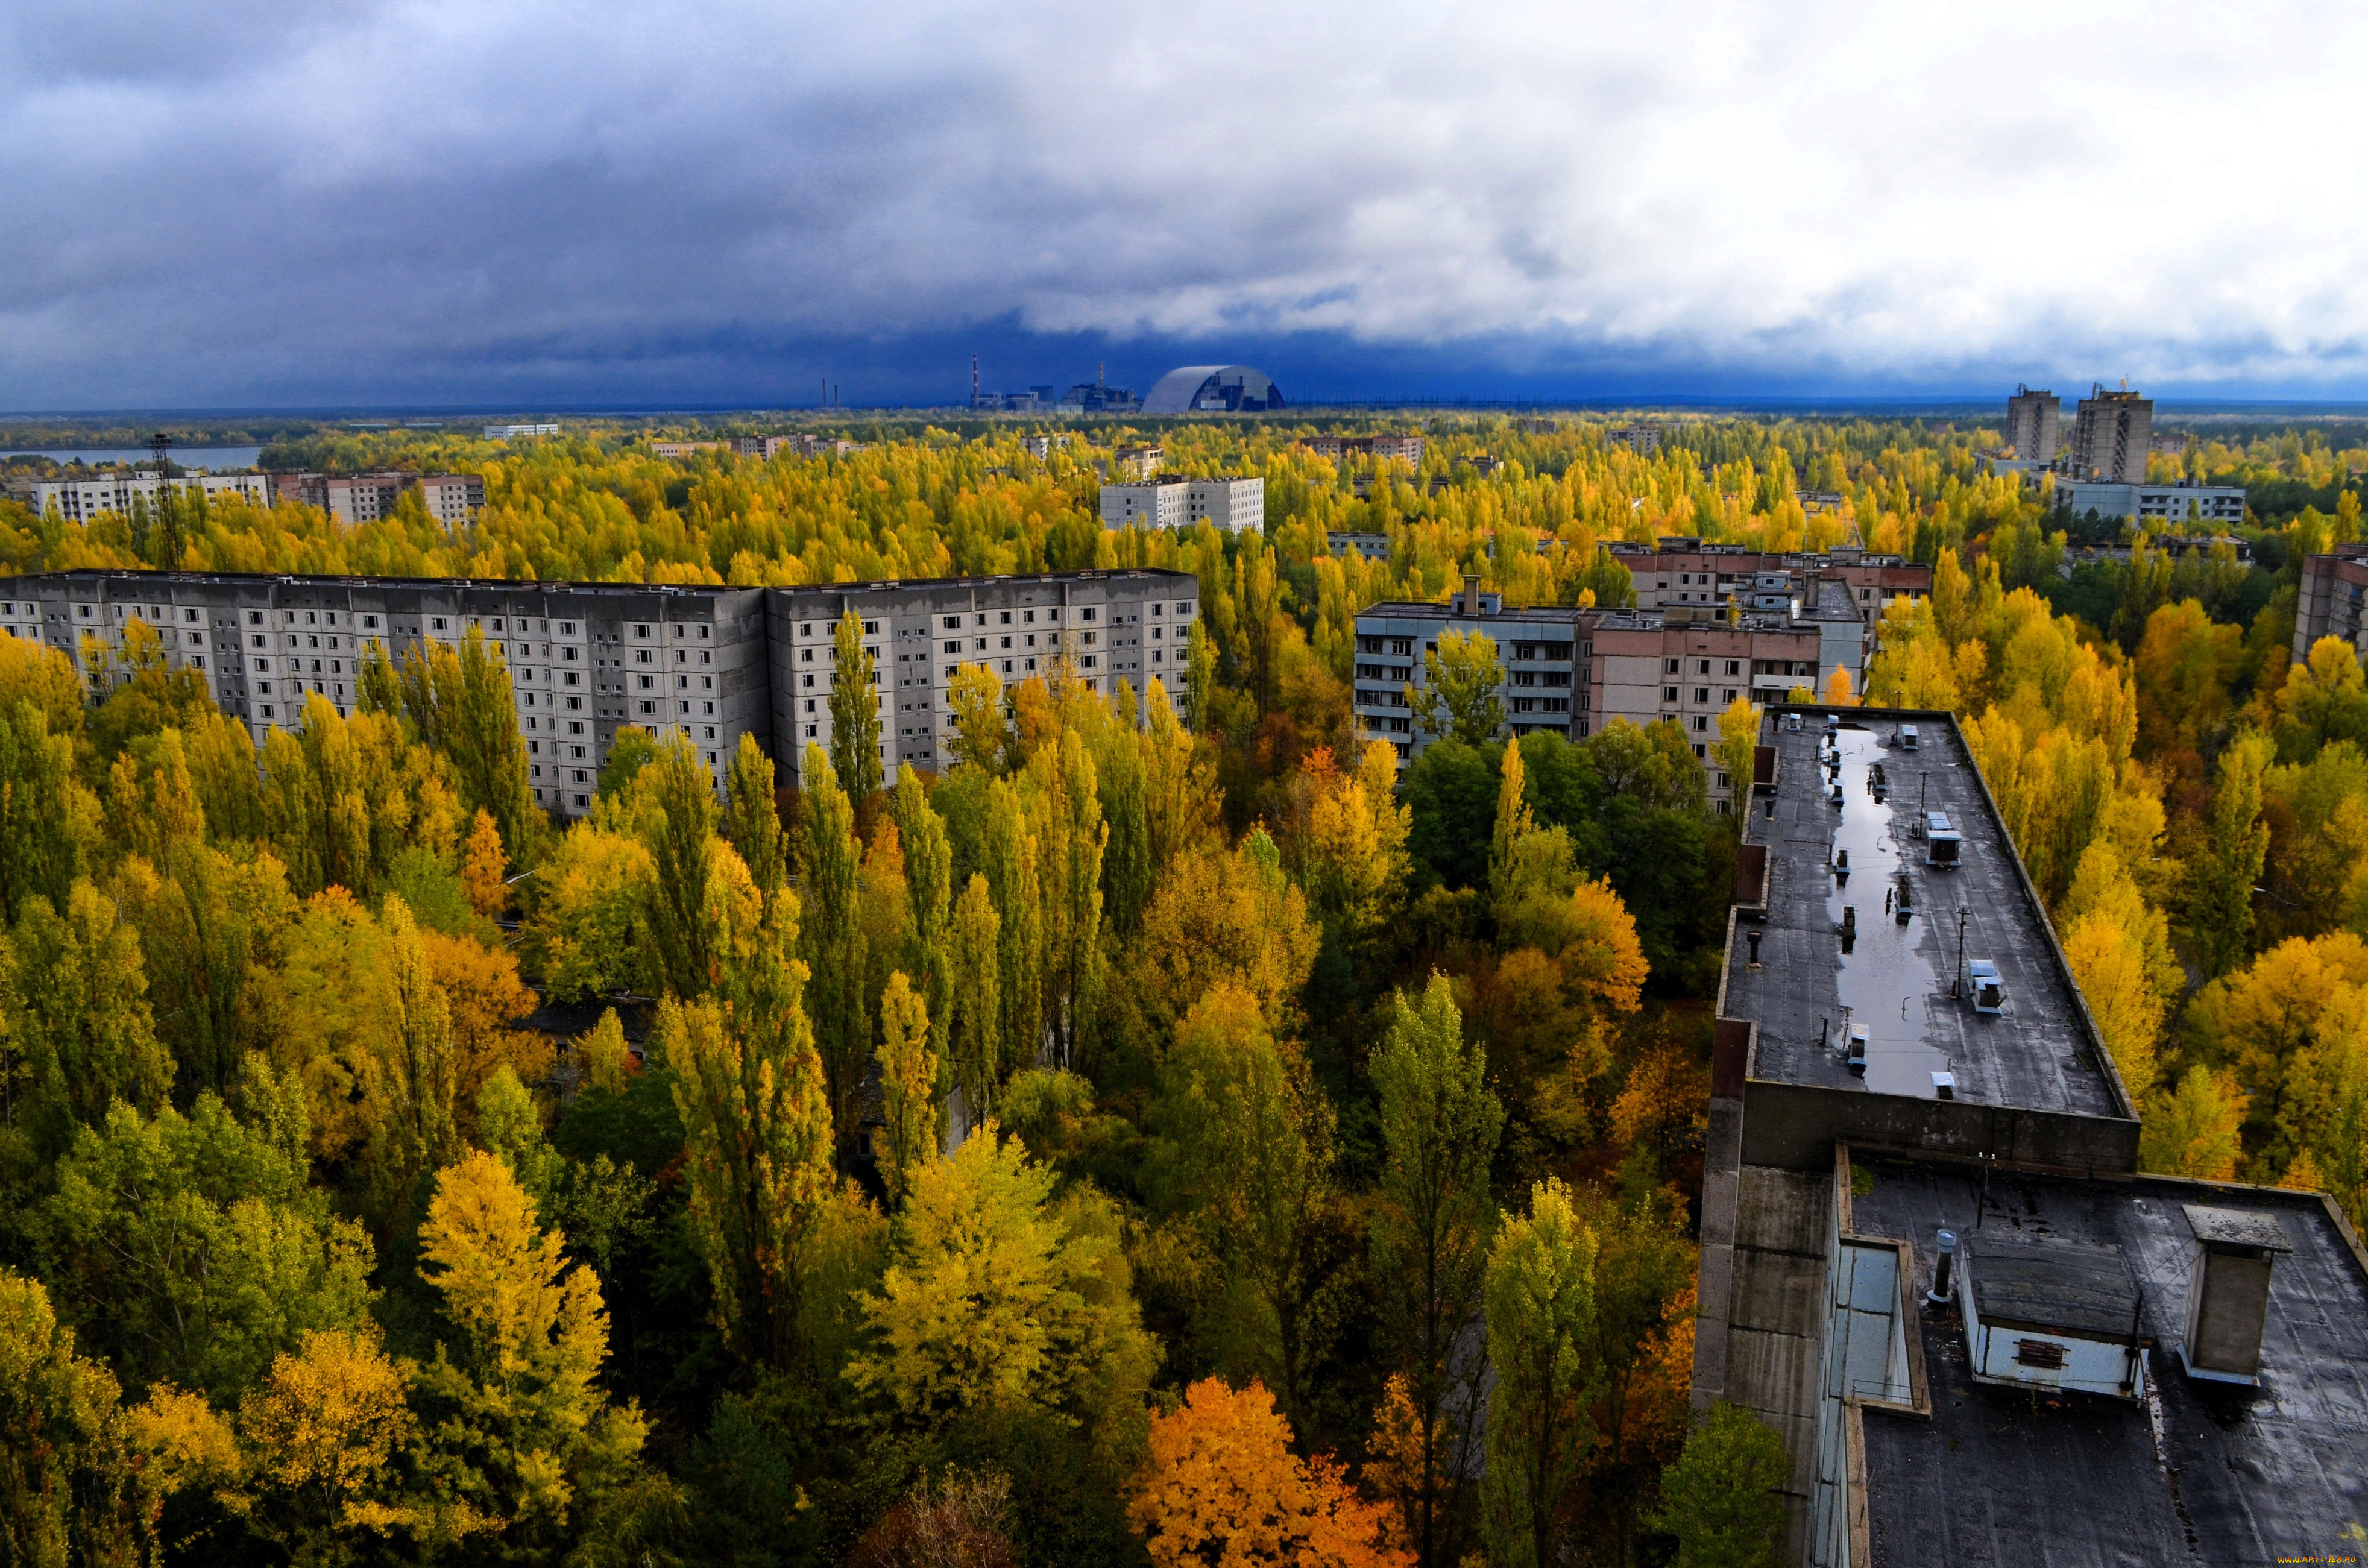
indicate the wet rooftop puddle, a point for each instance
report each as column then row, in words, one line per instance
column 1885, row 982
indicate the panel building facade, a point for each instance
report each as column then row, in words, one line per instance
column 1572, row 671
column 2111, row 432
column 707, row 664
column 78, row 500
column 2031, row 420
column 1111, row 627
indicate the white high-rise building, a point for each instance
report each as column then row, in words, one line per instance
column 1151, row 504
column 1236, row 505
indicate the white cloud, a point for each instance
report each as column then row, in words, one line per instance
column 266, row 197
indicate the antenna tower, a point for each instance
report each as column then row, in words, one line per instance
column 168, row 512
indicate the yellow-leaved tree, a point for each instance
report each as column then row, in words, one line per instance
column 1001, row 1296
column 518, row 1432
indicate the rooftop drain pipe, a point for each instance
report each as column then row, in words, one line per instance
column 1939, row 1295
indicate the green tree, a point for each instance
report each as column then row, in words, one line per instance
column 462, row 702
column 1001, row 1297
column 1073, row 839
column 1248, row 1135
column 410, row 1079
column 1010, row 855
column 78, row 1020
column 975, row 1027
column 190, row 1249
column 1200, row 678
column 1720, row 1499
column 1126, row 863
column 676, row 802
column 63, row 1451
column 929, row 884
column 1458, row 696
column 752, row 823
column 982, row 732
column 2222, row 870
column 633, row 749
column 908, row 1086
column 510, row 1128
column 757, row 1140
column 833, row 936
column 1430, row 1233
column 40, row 854
column 1541, row 1308
column 587, row 918
column 854, row 713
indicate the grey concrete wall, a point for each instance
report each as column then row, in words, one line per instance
column 1795, row 1126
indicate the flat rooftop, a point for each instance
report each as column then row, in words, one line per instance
column 2039, row 1053
column 2200, row 1472
column 1563, row 616
column 529, row 584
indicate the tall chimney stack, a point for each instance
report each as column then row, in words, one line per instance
column 1472, row 594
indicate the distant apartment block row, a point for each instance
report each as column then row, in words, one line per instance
column 1405, row 449
column 349, row 497
column 1683, row 654
column 764, row 447
column 705, row 663
column 79, row 500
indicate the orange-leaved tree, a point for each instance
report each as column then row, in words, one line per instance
column 1222, row 1486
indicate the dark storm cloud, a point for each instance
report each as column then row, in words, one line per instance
column 443, row 201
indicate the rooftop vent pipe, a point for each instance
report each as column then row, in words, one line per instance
column 1939, row 1295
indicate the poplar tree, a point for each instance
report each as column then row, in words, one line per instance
column 38, row 853
column 752, row 823
column 1126, row 862
column 1251, row 1138
column 1540, row 1307
column 1439, row 1128
column 929, row 881
column 2226, row 866
column 982, row 736
column 974, row 1031
column 410, row 1079
column 78, row 1019
column 908, row 1086
column 1072, row 838
column 1200, row 678
column 461, row 705
column 1008, row 856
column 832, row 929
column 757, row 1136
column 854, row 713
column 677, row 800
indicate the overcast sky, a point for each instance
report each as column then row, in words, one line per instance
column 283, row 202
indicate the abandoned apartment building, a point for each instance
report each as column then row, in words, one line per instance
column 1929, row 1260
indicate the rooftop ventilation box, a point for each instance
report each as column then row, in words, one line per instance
column 2228, row 1291
column 2052, row 1316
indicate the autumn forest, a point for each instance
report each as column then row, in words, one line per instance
column 1178, row 1142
